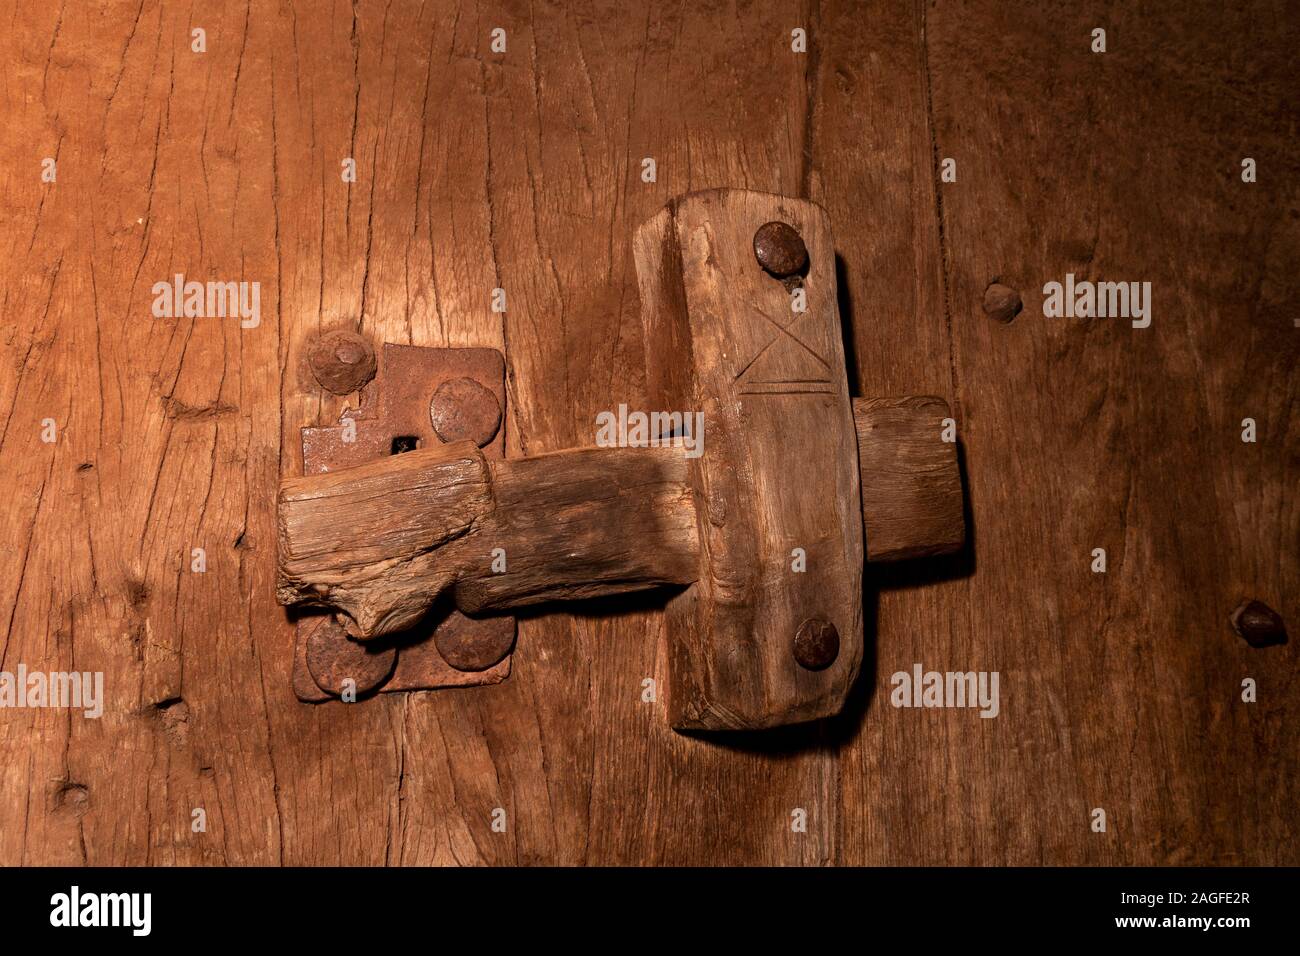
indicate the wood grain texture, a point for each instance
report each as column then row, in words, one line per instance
column 776, row 489
column 912, row 502
column 380, row 542
column 371, row 541
column 584, row 523
column 1122, row 690
column 522, row 171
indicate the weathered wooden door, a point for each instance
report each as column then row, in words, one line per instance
column 386, row 166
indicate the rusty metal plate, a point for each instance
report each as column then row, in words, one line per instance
column 415, row 389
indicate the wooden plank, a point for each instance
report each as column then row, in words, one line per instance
column 1121, row 690
column 168, row 432
column 474, row 171
column 872, row 166
column 622, row 787
column 404, row 253
column 1178, row 757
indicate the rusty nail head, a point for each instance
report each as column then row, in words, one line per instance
column 473, row 645
column 1259, row 624
column 816, row 644
column 341, row 361
column 779, row 249
column 333, row 657
column 462, row 408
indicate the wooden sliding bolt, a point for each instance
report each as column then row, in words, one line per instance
column 763, row 528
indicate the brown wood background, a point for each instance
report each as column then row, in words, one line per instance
column 522, row 170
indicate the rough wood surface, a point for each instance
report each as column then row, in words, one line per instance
column 523, row 171
column 380, row 542
column 370, row 541
column 1120, row 691
column 912, row 505
column 584, row 523
column 776, row 490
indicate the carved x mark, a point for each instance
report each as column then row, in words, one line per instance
column 786, row 330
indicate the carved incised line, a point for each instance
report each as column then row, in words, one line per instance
column 786, row 330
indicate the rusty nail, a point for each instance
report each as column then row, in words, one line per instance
column 816, row 644
column 462, row 408
column 333, row 657
column 341, row 361
column 779, row 249
column 1002, row 302
column 472, row 645
column 1259, row 624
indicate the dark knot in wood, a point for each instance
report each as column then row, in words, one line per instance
column 1259, row 624
column 1002, row 302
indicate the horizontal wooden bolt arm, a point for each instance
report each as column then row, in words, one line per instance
column 379, row 542
column 912, row 505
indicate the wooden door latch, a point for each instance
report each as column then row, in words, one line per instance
column 758, row 511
